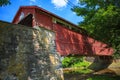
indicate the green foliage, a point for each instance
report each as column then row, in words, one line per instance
column 71, row 61
column 77, row 65
column 101, row 20
column 83, row 64
column 4, row 2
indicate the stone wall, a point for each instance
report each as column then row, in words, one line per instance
column 28, row 54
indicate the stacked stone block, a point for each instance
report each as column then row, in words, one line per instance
column 28, row 53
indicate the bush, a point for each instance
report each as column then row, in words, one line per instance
column 77, row 65
column 74, row 62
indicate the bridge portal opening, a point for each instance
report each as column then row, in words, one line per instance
column 27, row 21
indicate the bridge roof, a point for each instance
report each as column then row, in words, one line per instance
column 50, row 13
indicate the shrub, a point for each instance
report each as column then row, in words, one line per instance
column 73, row 62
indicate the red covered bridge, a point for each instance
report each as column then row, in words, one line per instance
column 70, row 39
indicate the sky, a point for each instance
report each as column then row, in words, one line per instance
column 61, row 8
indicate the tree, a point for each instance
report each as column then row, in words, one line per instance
column 4, row 2
column 101, row 20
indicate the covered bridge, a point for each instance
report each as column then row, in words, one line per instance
column 70, row 39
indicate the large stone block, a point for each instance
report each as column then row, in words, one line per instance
column 28, row 53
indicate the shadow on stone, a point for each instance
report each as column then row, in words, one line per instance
column 101, row 62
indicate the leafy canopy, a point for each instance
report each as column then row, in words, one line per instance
column 101, row 20
column 4, row 2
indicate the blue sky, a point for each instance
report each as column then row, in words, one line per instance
column 58, row 7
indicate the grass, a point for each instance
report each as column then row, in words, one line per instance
column 103, row 77
column 79, row 76
column 78, row 70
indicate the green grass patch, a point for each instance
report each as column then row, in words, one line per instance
column 78, row 70
column 103, row 77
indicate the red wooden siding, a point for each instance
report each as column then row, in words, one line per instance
column 69, row 42
column 43, row 20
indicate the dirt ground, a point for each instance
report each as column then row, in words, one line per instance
column 112, row 72
column 102, row 73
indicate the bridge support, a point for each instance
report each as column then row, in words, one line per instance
column 28, row 54
column 101, row 62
